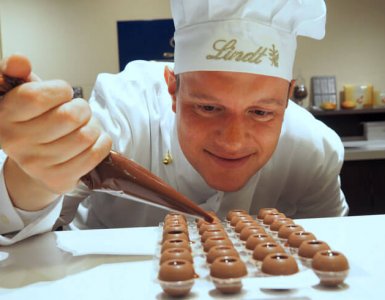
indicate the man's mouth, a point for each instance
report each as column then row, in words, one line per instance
column 229, row 161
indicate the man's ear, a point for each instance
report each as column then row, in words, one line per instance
column 170, row 79
column 290, row 91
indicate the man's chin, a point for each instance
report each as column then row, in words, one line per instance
column 227, row 186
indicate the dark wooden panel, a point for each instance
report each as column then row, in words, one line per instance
column 363, row 183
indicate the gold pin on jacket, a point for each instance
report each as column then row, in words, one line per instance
column 167, row 159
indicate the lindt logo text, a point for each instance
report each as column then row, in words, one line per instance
column 227, row 50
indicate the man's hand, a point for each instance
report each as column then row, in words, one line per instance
column 51, row 139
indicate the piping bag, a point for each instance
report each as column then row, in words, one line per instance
column 120, row 176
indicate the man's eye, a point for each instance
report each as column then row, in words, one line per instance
column 262, row 115
column 260, row 112
column 207, row 107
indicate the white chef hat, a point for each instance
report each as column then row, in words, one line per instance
column 252, row 36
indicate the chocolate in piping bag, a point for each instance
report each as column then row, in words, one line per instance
column 123, row 177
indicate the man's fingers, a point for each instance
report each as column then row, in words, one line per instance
column 61, row 151
column 17, row 66
column 70, row 145
column 63, row 120
column 80, row 165
column 33, row 99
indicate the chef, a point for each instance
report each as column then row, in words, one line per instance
column 217, row 125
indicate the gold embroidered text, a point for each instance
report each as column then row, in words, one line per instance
column 227, row 50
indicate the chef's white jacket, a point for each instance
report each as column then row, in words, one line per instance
column 301, row 179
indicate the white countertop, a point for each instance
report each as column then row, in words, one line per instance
column 38, row 269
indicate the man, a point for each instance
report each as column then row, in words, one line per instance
column 219, row 127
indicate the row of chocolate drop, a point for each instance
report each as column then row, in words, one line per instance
column 273, row 242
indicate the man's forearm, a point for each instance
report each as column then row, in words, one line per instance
column 25, row 192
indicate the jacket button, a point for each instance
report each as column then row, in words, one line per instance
column 167, row 159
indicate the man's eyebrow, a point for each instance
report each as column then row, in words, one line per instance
column 275, row 101
column 200, row 95
column 267, row 101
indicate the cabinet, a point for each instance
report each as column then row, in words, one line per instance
column 348, row 123
column 363, row 181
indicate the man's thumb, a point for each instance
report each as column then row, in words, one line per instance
column 17, row 66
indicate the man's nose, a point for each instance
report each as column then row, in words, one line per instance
column 232, row 135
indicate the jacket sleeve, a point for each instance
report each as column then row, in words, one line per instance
column 303, row 175
column 323, row 196
column 16, row 224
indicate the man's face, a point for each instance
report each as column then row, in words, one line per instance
column 228, row 123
